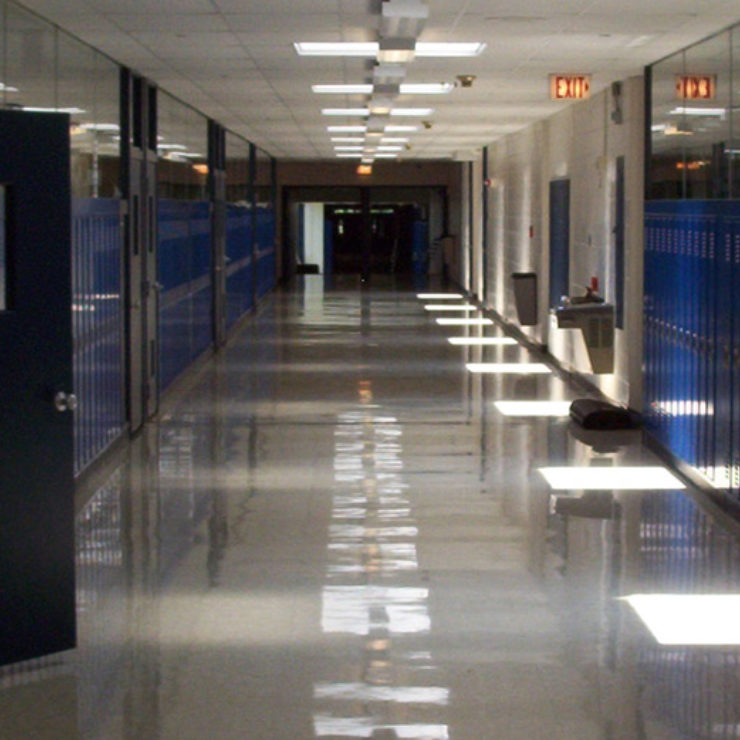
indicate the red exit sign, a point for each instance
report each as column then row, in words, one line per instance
column 570, row 87
column 696, row 87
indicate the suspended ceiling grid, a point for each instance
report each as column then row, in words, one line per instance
column 234, row 59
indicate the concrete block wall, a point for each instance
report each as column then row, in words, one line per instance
column 580, row 143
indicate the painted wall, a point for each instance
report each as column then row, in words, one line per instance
column 581, row 143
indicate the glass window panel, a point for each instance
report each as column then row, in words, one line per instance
column 707, row 122
column 237, row 169
column 76, row 92
column 667, row 173
column 263, row 179
column 182, row 149
column 30, row 55
column 735, row 95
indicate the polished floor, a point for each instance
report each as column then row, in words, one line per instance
column 334, row 531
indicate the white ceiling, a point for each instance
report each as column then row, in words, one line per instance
column 234, row 60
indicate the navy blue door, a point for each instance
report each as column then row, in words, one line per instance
column 559, row 240
column 37, row 595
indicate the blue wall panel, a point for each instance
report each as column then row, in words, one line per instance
column 239, row 273
column 185, row 312
column 97, row 245
column 692, row 333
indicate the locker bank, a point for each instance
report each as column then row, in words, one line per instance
column 294, row 303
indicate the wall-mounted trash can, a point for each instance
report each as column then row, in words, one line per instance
column 525, row 297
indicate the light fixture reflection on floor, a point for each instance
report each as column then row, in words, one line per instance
column 690, row 619
column 610, row 478
column 480, row 341
column 439, row 296
column 450, row 307
column 464, row 322
column 524, row 368
column 533, row 408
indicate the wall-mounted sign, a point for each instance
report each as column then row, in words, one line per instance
column 696, row 87
column 570, row 87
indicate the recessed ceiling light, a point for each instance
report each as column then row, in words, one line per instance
column 412, row 111
column 435, row 88
column 71, row 111
column 506, row 368
column 345, row 112
column 342, row 89
column 450, row 307
column 438, row 296
column 533, row 408
column 682, row 111
column 371, row 49
column 480, row 341
column 446, row 49
column 690, row 619
column 464, row 322
column 610, row 478
column 346, row 129
column 341, row 49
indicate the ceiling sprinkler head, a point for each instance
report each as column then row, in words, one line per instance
column 426, row 124
column 466, row 80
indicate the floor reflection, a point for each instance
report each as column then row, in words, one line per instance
column 334, row 533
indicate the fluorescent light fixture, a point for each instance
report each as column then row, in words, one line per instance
column 684, row 111
column 395, row 140
column 533, row 408
column 387, row 148
column 336, row 49
column 372, row 49
column 342, row 89
column 34, row 109
column 412, row 112
column 345, row 112
column 481, row 341
column 439, row 296
column 346, row 129
column 172, row 147
column 450, row 307
column 508, row 368
column 347, row 139
column 447, row 49
column 367, row 160
column 609, row 478
column 348, row 148
column 373, row 134
column 349, row 155
column 690, row 619
column 191, row 155
column 7, row 88
column 400, row 129
column 464, row 322
column 102, row 127
column 396, row 50
column 386, row 155
column 434, row 88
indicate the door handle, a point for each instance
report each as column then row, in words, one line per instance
column 65, row 401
